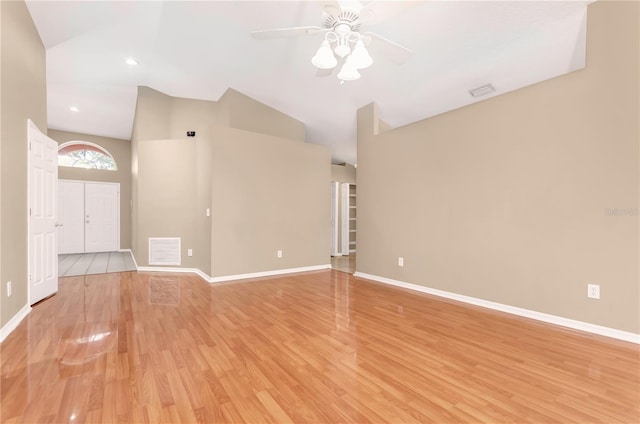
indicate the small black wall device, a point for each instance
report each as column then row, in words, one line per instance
column 191, row 133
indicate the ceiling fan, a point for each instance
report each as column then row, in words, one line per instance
column 341, row 25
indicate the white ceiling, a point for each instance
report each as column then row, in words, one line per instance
column 199, row 49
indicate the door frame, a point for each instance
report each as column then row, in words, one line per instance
column 336, row 249
column 344, row 219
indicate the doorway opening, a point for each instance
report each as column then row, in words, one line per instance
column 343, row 226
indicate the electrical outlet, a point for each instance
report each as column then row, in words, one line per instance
column 189, row 252
column 208, row 212
column 593, row 291
column 279, row 253
column 9, row 289
column 400, row 261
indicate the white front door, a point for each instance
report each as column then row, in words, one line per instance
column 71, row 216
column 102, row 216
column 90, row 216
column 42, row 186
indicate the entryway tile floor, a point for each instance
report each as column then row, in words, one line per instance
column 94, row 263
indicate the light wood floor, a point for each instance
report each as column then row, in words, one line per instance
column 320, row 347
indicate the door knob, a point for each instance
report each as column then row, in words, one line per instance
column 87, row 221
column 59, row 224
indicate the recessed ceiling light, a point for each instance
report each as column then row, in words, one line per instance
column 74, row 109
column 131, row 61
column 482, row 91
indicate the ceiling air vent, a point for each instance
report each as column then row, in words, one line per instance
column 482, row 91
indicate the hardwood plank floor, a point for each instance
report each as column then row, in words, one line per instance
column 321, row 347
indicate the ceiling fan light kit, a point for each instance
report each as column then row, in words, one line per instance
column 343, row 38
column 324, row 58
column 348, row 72
column 341, row 27
column 360, row 56
column 354, row 59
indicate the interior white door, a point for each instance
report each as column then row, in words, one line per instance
column 101, row 208
column 70, row 216
column 42, row 187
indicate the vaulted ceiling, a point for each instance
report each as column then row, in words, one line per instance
column 199, row 49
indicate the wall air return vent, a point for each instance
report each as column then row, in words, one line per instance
column 482, row 91
column 164, row 251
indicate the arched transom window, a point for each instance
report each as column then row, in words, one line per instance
column 82, row 154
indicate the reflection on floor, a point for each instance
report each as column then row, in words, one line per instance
column 94, row 263
column 164, row 290
column 344, row 263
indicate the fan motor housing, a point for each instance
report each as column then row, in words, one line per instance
column 346, row 17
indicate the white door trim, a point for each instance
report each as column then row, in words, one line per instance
column 335, row 218
column 344, row 221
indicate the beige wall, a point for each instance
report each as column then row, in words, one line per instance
column 23, row 85
column 167, row 196
column 151, row 122
column 191, row 115
column 244, row 113
column 121, row 151
column 175, row 179
column 168, row 119
column 507, row 199
column 269, row 194
column 153, row 115
column 343, row 173
column 196, row 115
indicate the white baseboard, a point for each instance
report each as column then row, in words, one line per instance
column 13, row 322
column 132, row 256
column 540, row 316
column 268, row 273
column 170, row 269
column 210, row 279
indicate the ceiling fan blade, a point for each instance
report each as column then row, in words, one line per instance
column 352, row 5
column 379, row 11
column 331, row 7
column 393, row 51
column 286, row 32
